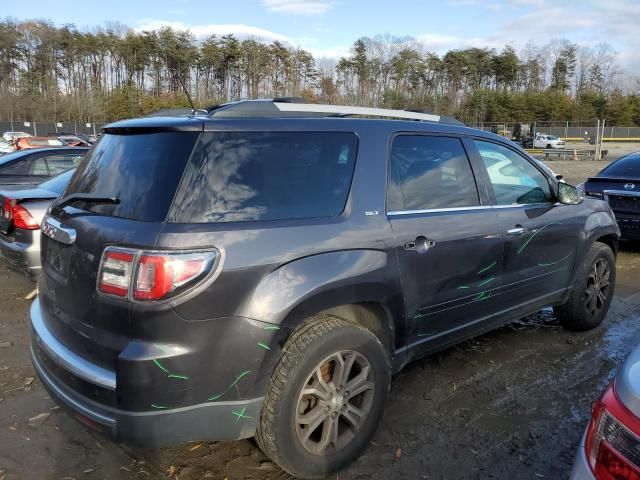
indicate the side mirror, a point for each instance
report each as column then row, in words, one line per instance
column 568, row 194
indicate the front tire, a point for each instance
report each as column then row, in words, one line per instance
column 325, row 399
column 592, row 291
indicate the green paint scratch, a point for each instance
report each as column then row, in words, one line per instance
column 159, row 365
column 241, row 414
column 166, row 370
column 488, row 267
column 266, row 347
column 490, row 279
column 158, row 406
column 463, row 286
column 238, row 378
column 524, row 245
column 556, row 262
column 482, row 296
column 271, row 327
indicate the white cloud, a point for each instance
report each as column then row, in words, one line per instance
column 298, row 7
column 240, row 30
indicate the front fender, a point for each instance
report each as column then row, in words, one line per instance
column 597, row 225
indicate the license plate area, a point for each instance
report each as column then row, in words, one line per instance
column 55, row 259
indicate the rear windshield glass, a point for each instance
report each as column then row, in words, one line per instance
column 141, row 170
column 243, row 176
column 625, row 167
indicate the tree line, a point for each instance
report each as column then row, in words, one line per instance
column 62, row 73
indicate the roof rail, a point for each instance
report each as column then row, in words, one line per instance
column 292, row 107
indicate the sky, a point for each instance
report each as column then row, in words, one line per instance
column 328, row 28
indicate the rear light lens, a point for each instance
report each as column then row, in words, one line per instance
column 115, row 272
column 151, row 276
column 18, row 215
column 613, row 440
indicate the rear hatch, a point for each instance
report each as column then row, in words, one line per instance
column 142, row 168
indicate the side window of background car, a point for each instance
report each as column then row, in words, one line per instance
column 39, row 167
column 62, row 162
column 20, row 167
column 515, row 181
column 429, row 172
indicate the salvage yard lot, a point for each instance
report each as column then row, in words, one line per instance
column 509, row 404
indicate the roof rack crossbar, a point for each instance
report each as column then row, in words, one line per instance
column 350, row 110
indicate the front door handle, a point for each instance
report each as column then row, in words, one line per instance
column 421, row 244
column 518, row 230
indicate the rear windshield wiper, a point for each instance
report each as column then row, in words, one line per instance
column 86, row 197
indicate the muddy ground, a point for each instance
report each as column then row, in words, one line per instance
column 510, row 404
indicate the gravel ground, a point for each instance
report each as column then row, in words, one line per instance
column 510, row 404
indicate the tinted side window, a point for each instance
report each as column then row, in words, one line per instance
column 515, row 180
column 20, row 167
column 61, row 163
column 39, row 167
column 430, row 172
column 243, row 176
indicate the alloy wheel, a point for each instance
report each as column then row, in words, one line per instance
column 335, row 402
column 598, row 287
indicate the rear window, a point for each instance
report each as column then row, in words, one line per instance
column 244, row 176
column 625, row 167
column 141, row 170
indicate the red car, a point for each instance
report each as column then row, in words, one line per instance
column 611, row 446
column 26, row 143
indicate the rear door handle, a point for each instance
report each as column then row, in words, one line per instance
column 421, row 244
column 516, row 231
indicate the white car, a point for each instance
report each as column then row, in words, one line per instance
column 5, row 147
column 547, row 141
column 9, row 136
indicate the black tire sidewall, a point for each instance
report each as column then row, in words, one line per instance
column 597, row 252
column 344, row 338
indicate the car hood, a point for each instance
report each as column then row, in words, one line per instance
column 627, row 382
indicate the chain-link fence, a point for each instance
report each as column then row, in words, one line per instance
column 569, row 131
column 49, row 128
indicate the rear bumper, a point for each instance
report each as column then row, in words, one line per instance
column 164, row 426
column 581, row 470
column 21, row 256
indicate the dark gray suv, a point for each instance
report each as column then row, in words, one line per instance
column 264, row 269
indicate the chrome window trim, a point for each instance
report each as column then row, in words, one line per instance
column 462, row 209
column 66, row 358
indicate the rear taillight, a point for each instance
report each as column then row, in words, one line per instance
column 613, row 440
column 150, row 276
column 18, row 215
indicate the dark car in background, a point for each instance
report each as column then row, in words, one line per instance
column 21, row 212
column 619, row 184
column 610, row 447
column 31, row 167
column 264, row 269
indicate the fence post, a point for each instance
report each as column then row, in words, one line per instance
column 566, row 131
column 35, row 129
column 597, row 145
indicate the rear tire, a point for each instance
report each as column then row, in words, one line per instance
column 592, row 291
column 309, row 398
